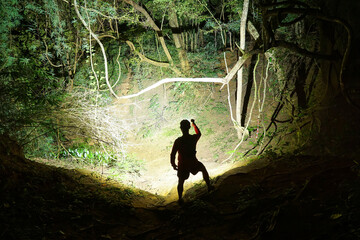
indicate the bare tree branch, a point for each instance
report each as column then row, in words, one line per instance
column 239, row 64
column 47, row 57
column 145, row 59
column 152, row 24
column 101, row 46
column 295, row 48
column 168, row 80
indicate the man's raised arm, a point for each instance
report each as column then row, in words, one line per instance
column 197, row 130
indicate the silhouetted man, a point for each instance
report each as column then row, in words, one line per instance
column 185, row 146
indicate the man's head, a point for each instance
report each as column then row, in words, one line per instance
column 185, row 125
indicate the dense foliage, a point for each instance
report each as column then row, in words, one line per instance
column 61, row 60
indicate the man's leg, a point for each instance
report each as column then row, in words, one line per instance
column 180, row 187
column 182, row 174
column 205, row 176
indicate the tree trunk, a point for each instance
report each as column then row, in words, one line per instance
column 201, row 38
column 240, row 72
column 248, row 91
column 176, row 32
column 196, row 37
column 300, row 85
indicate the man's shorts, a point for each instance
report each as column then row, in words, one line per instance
column 193, row 168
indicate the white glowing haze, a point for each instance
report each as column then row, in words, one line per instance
column 160, row 178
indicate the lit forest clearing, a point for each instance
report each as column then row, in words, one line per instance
column 93, row 92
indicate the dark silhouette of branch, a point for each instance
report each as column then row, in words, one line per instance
column 285, row 3
column 267, row 14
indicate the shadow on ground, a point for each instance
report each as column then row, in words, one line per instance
column 293, row 197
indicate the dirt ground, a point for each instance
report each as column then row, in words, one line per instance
column 292, row 197
column 158, row 176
